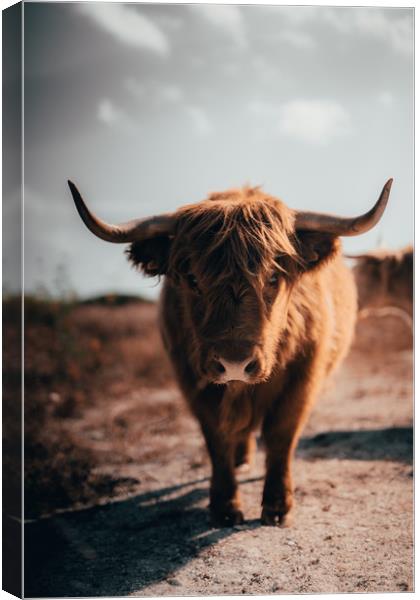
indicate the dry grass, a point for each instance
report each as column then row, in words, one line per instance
column 78, row 358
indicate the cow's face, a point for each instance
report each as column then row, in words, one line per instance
column 235, row 321
column 235, row 259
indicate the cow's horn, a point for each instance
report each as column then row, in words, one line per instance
column 344, row 226
column 123, row 233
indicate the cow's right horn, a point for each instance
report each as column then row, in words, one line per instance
column 123, row 233
column 343, row 225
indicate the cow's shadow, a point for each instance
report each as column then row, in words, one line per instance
column 121, row 547
column 391, row 443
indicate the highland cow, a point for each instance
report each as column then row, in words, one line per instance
column 384, row 278
column 257, row 309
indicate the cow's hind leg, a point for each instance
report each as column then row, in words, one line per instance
column 245, row 451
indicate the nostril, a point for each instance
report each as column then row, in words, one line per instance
column 218, row 366
column 252, row 367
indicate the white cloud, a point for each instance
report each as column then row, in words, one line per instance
column 381, row 24
column 108, row 113
column 313, row 121
column 127, row 25
column 113, row 116
column 398, row 30
column 200, row 120
column 228, row 18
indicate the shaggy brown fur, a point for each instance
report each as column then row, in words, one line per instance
column 241, row 281
column 385, row 278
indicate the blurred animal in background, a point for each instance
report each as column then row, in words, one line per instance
column 257, row 308
column 384, row 280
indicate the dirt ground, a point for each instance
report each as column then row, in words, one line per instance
column 129, row 516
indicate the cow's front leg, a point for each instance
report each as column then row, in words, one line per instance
column 281, row 429
column 207, row 406
column 225, row 505
column 278, row 487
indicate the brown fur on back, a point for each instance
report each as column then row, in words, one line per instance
column 385, row 278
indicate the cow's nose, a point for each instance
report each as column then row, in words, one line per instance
column 235, row 370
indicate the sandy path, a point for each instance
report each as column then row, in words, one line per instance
column 352, row 526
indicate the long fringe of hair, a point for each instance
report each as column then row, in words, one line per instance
column 240, row 230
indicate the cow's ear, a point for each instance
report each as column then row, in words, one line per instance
column 151, row 255
column 315, row 248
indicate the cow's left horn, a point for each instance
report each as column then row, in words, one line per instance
column 341, row 225
column 123, row 233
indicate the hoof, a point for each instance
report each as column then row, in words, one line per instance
column 275, row 517
column 227, row 517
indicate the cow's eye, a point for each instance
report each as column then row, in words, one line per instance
column 274, row 279
column 192, row 282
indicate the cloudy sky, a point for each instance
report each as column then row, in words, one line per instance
column 148, row 107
